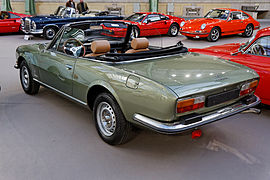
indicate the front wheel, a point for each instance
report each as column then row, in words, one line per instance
column 248, row 31
column 28, row 84
column 214, row 35
column 110, row 122
column 49, row 32
column 173, row 30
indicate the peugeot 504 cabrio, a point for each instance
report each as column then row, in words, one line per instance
column 127, row 82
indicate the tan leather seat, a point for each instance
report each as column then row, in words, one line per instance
column 99, row 47
column 139, row 45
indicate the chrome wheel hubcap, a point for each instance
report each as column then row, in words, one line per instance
column 215, row 34
column 50, row 33
column 248, row 30
column 106, row 119
column 174, row 30
column 25, row 77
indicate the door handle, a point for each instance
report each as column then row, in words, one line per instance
column 68, row 67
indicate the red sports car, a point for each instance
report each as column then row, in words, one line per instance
column 148, row 24
column 10, row 21
column 254, row 54
column 219, row 22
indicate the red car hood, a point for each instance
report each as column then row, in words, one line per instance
column 196, row 23
column 219, row 50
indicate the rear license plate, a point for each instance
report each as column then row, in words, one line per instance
column 221, row 97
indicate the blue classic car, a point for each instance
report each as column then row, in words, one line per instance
column 48, row 26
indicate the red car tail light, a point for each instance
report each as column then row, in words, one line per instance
column 185, row 105
column 248, row 88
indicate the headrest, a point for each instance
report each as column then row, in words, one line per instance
column 139, row 43
column 100, row 46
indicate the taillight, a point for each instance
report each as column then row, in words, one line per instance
column 248, row 88
column 185, row 105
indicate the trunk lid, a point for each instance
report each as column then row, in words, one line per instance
column 191, row 73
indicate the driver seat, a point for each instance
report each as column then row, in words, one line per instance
column 138, row 45
column 99, row 47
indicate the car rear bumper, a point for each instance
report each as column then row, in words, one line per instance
column 173, row 128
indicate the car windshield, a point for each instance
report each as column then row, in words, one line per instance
column 137, row 17
column 217, row 14
column 59, row 11
column 83, row 34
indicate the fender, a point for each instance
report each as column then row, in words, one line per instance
column 109, row 88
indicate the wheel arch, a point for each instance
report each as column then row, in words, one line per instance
column 97, row 88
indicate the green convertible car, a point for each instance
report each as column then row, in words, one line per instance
column 128, row 83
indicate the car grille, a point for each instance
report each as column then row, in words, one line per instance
column 27, row 25
column 222, row 97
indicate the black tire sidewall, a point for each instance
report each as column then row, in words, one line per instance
column 121, row 124
column 169, row 33
column 29, row 89
column 209, row 38
column 45, row 35
column 245, row 35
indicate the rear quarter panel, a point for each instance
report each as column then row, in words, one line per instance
column 150, row 98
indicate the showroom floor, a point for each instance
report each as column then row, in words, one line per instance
column 49, row 137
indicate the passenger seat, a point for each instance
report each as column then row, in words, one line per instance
column 138, row 45
column 99, row 47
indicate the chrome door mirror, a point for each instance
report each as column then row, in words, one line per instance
column 42, row 47
column 229, row 19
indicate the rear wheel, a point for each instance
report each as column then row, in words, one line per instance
column 28, row 84
column 214, row 35
column 110, row 122
column 49, row 32
column 173, row 30
column 248, row 31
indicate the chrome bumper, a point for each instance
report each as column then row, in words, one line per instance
column 194, row 33
column 37, row 31
column 173, row 128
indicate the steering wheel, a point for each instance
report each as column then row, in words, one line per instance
column 258, row 49
column 77, row 51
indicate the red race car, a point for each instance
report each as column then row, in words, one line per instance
column 254, row 54
column 10, row 21
column 148, row 24
column 219, row 22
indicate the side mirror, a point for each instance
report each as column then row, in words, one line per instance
column 42, row 47
column 229, row 19
column 148, row 21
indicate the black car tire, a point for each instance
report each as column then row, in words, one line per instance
column 214, row 34
column 28, row 84
column 248, row 31
column 119, row 129
column 49, row 32
column 173, row 30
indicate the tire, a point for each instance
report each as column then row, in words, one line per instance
column 135, row 32
column 28, row 84
column 173, row 30
column 248, row 31
column 116, row 130
column 49, row 32
column 214, row 35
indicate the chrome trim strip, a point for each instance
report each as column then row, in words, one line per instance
column 46, row 85
column 172, row 128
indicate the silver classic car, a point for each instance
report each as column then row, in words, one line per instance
column 128, row 82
